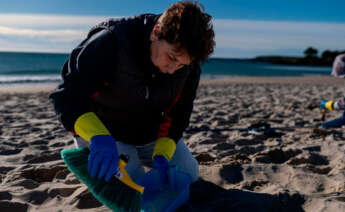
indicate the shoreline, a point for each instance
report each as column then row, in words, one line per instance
column 324, row 80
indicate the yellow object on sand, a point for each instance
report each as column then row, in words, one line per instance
column 124, row 177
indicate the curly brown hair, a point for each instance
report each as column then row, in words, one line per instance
column 186, row 25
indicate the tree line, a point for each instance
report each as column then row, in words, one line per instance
column 327, row 56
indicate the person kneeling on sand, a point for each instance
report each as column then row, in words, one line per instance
column 129, row 88
column 330, row 105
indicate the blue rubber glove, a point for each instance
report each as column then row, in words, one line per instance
column 104, row 157
column 162, row 165
column 323, row 104
column 328, row 105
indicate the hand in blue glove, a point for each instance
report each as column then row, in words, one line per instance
column 323, row 104
column 327, row 105
column 104, row 157
column 162, row 165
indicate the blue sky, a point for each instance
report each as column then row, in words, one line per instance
column 244, row 28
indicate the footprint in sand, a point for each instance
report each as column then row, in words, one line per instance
column 10, row 151
column 39, row 142
column 252, row 185
column 3, row 172
column 250, row 150
column 86, row 200
column 215, row 138
column 42, row 174
column 26, row 183
column 204, row 157
column 224, row 146
column 276, row 155
column 4, row 169
column 13, row 206
column 32, row 159
column 62, row 192
column 254, row 141
column 310, row 158
column 58, row 144
column 231, row 173
column 35, row 197
column 319, row 170
column 15, row 144
column 313, row 148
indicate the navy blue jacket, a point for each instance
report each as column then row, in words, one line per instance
column 111, row 73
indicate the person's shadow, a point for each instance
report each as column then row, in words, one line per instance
column 207, row 196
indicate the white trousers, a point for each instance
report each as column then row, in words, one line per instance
column 142, row 155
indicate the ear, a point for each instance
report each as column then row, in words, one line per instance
column 154, row 32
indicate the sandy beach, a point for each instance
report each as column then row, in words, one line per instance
column 298, row 166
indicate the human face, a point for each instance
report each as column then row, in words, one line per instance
column 166, row 57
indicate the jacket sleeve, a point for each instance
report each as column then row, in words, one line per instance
column 176, row 118
column 83, row 74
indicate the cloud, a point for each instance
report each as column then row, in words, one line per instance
column 36, row 21
column 61, row 33
column 66, row 35
column 281, row 26
column 267, row 37
column 47, row 33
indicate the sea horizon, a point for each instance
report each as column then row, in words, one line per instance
column 38, row 67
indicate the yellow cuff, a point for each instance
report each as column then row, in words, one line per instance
column 89, row 125
column 164, row 146
column 329, row 105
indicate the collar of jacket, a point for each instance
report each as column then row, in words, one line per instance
column 149, row 22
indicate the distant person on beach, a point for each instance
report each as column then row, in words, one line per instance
column 330, row 105
column 129, row 88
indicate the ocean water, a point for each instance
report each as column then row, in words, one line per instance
column 30, row 67
column 19, row 68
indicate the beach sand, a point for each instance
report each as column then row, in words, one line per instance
column 296, row 167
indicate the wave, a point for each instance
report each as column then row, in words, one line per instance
column 19, row 79
column 299, row 68
column 30, row 72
